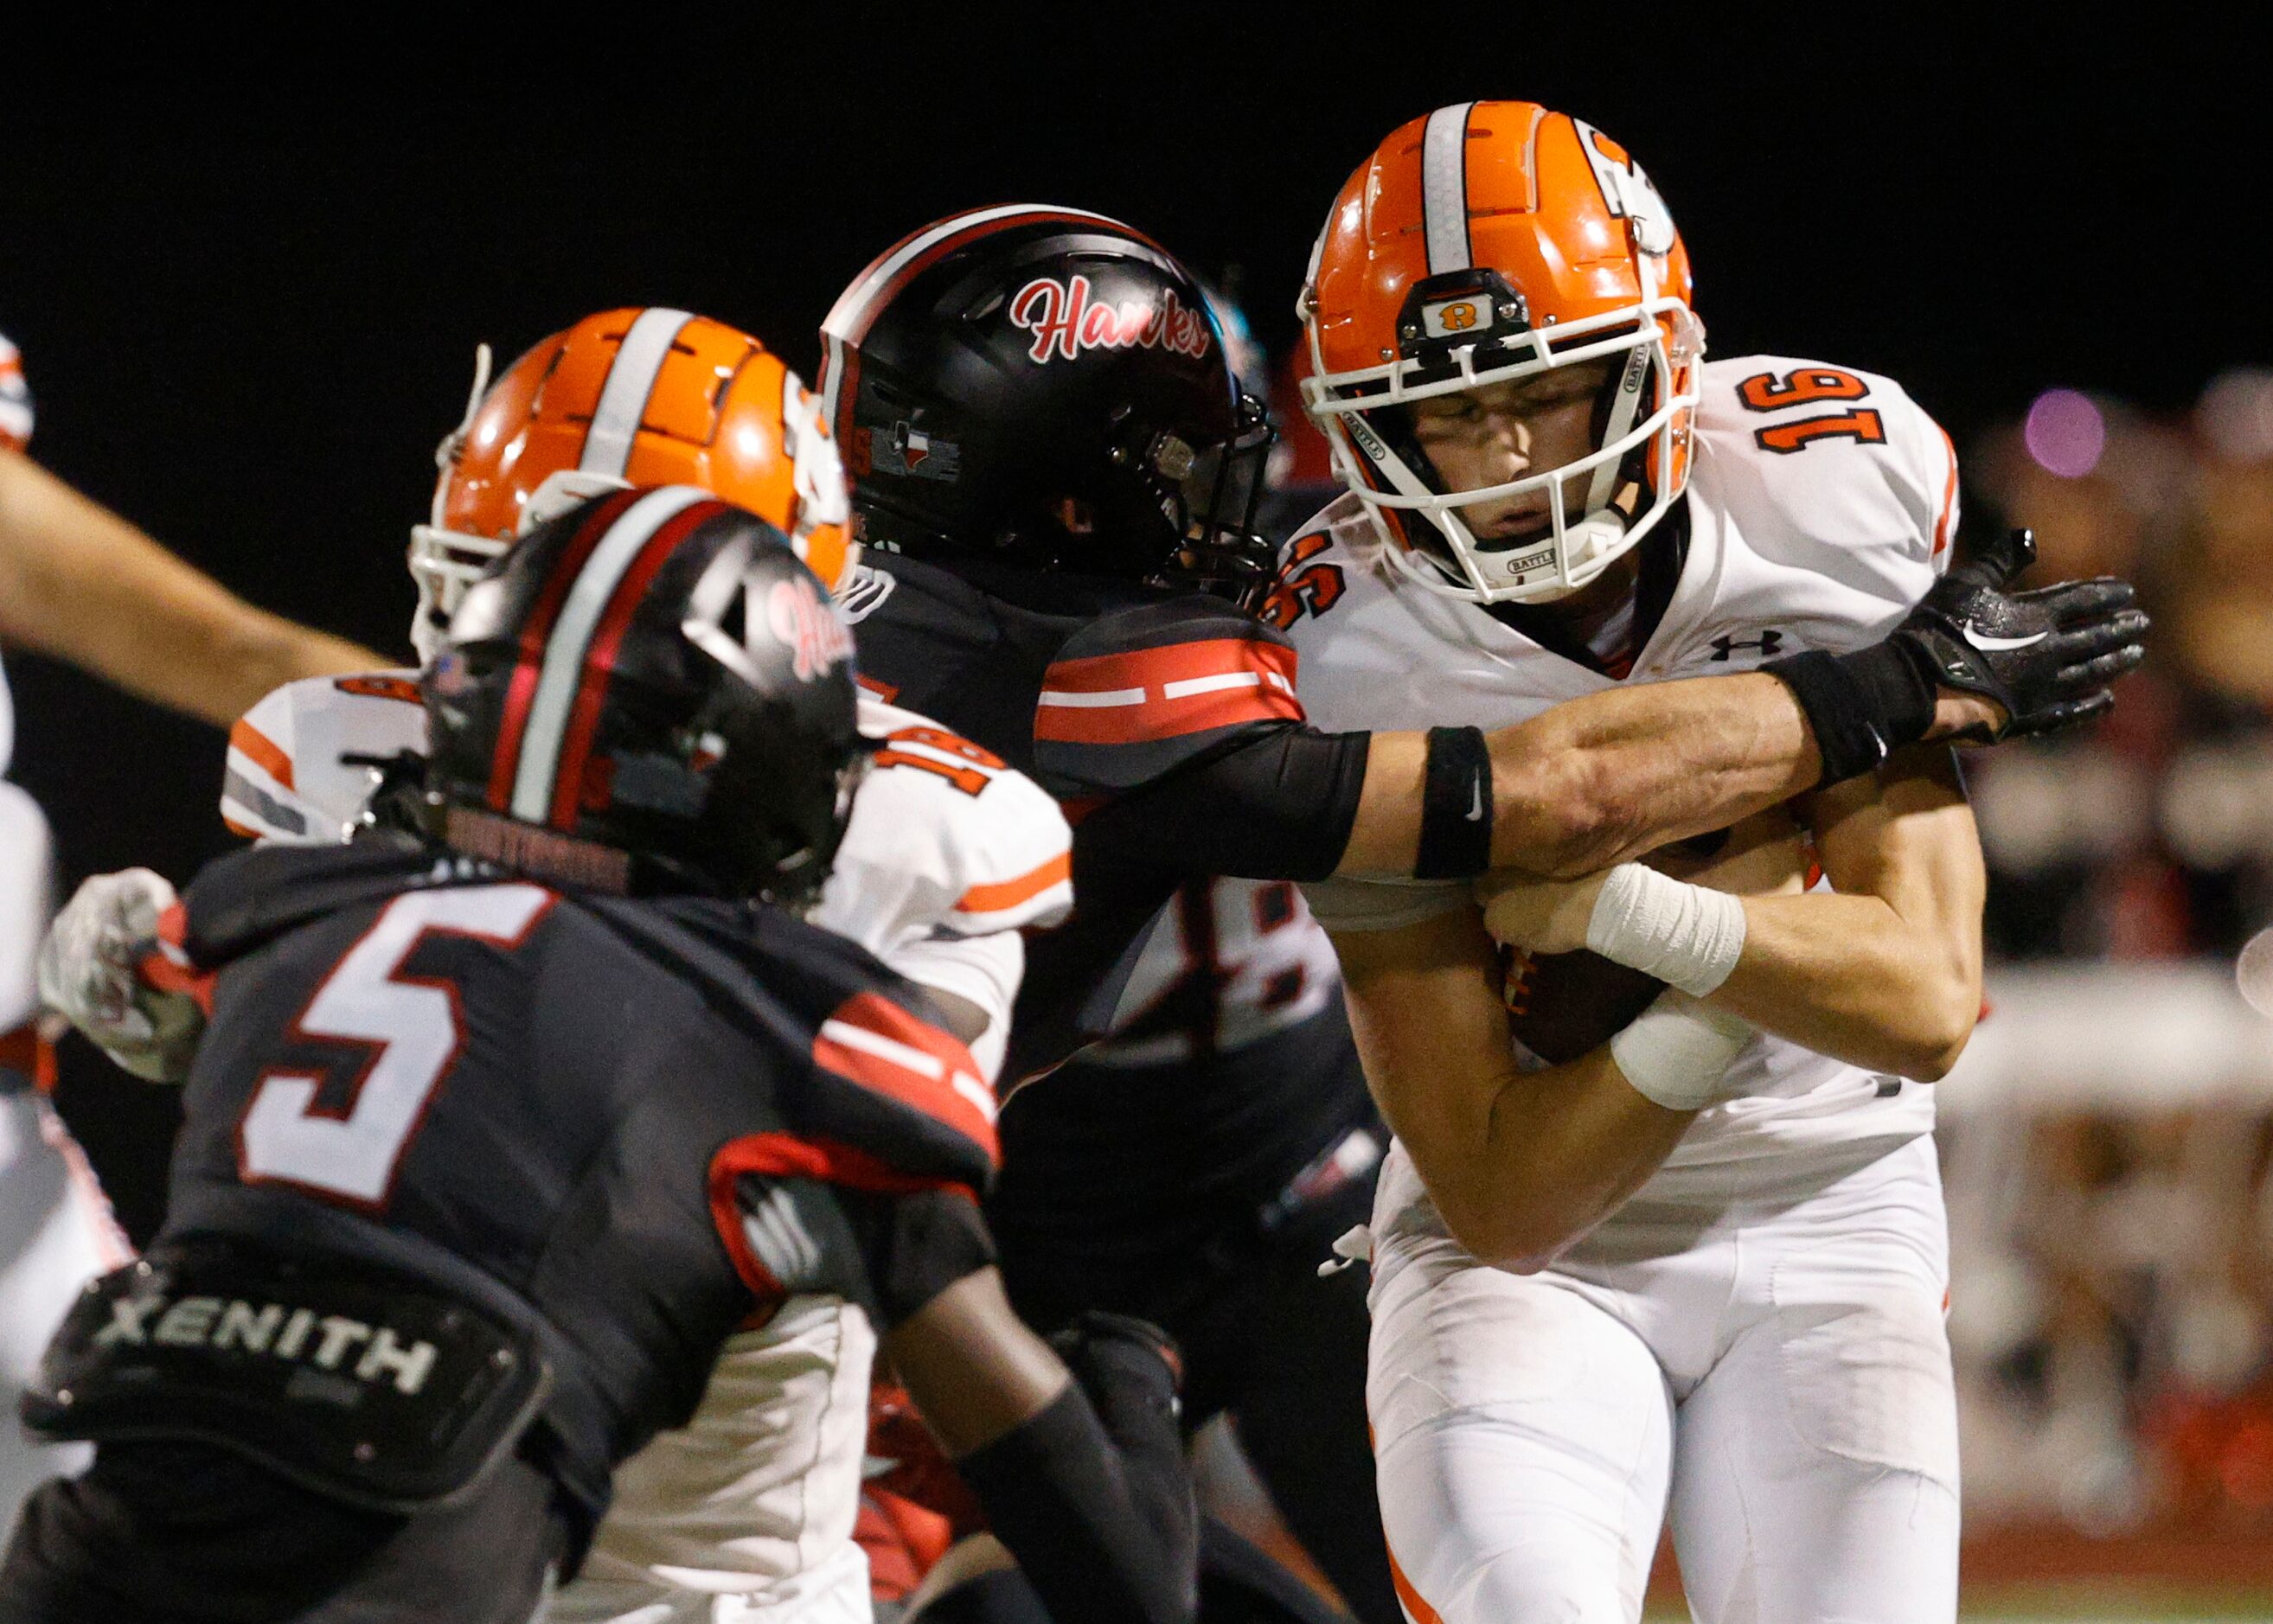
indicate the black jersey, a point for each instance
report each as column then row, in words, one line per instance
column 628, row 1124
column 1167, row 725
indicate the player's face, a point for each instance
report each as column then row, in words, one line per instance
column 1500, row 432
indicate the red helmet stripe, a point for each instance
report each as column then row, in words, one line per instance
column 600, row 659
column 522, row 689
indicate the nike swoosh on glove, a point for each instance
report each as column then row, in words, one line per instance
column 2049, row 657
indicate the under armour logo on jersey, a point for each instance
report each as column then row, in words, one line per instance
column 1766, row 642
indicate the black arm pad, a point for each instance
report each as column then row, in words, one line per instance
column 1277, row 804
column 1096, row 1532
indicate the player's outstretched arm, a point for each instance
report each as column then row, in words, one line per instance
column 1603, row 779
column 1884, row 974
column 1091, row 1499
column 1518, row 1164
column 81, row 584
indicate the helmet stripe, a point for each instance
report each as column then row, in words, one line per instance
column 599, row 663
column 623, row 398
column 572, row 634
column 1444, row 188
column 530, row 654
column 897, row 264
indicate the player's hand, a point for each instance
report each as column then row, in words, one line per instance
column 1539, row 915
column 87, row 973
column 2033, row 661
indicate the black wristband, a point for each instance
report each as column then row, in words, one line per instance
column 1862, row 706
column 1101, row 1534
column 1456, row 806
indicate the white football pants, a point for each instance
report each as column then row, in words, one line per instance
column 1771, row 1374
column 56, row 1230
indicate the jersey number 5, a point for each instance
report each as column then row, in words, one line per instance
column 1767, row 392
column 411, row 1026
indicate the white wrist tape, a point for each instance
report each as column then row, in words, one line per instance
column 1686, row 936
column 1675, row 1051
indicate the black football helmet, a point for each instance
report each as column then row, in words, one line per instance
column 1047, row 387
column 653, row 680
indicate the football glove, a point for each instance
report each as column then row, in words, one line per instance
column 2049, row 657
column 88, row 974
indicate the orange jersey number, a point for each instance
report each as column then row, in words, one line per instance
column 1767, row 392
column 972, row 780
column 1314, row 590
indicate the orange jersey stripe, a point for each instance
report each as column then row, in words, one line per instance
column 1948, row 496
column 1419, row 1611
column 256, row 747
column 1008, row 894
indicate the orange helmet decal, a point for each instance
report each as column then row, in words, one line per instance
column 624, row 399
column 1486, row 243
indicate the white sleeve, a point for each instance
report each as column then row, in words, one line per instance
column 1383, row 902
column 27, row 863
column 945, row 839
column 983, row 971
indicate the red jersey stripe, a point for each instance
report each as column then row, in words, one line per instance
column 1154, row 693
column 785, row 1156
column 872, row 1041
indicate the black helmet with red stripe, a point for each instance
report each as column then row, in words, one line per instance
column 648, row 693
column 1048, row 387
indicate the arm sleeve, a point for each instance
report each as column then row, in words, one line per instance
column 1277, row 804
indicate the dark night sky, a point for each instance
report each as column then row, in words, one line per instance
column 248, row 316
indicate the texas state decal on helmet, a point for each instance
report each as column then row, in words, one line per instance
column 1488, row 243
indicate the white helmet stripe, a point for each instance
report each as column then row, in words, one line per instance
column 623, row 400
column 1444, row 188
column 562, row 673
column 850, row 303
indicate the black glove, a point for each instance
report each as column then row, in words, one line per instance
column 2047, row 656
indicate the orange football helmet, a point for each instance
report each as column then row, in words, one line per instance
column 1489, row 241
column 626, row 398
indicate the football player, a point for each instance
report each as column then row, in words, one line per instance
column 1053, row 471
column 947, row 854
column 1708, row 1259
column 83, row 585
column 503, row 1125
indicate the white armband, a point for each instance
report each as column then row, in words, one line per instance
column 1687, row 936
column 1675, row 1051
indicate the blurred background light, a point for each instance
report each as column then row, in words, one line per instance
column 2235, row 415
column 2252, row 971
column 2065, row 432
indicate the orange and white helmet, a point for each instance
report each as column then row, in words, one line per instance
column 626, row 398
column 1487, row 243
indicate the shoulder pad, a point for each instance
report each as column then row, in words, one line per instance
column 945, row 836
column 1141, row 691
column 285, row 780
column 1832, row 454
column 244, row 899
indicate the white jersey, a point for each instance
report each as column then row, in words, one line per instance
column 949, row 854
column 1821, row 504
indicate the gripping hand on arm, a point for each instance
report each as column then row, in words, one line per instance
column 90, row 973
